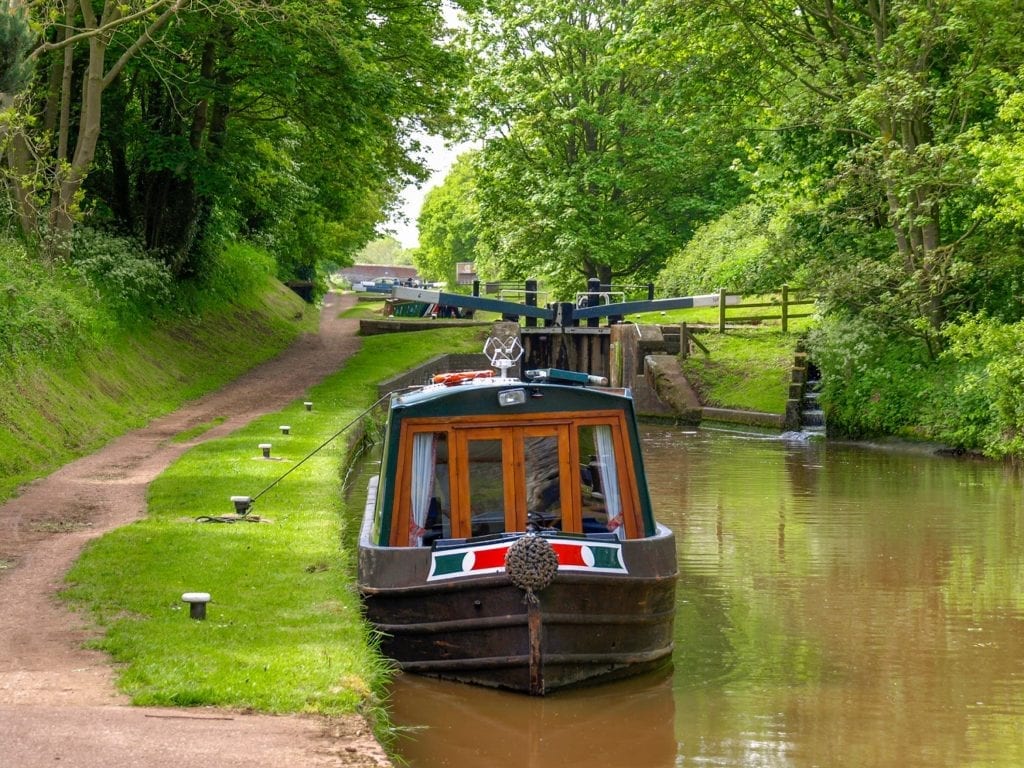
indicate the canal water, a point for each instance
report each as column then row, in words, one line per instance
column 838, row 605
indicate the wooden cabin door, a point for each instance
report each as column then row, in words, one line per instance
column 505, row 474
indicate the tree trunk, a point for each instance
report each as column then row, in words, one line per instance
column 62, row 212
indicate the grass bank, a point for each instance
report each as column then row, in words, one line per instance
column 748, row 368
column 95, row 345
column 284, row 631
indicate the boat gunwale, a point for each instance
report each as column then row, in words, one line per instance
column 510, row 662
column 499, row 580
column 519, row 619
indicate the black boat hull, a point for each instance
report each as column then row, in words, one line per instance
column 583, row 628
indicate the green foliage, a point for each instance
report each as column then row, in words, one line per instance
column 449, row 223
column 990, row 384
column 130, row 283
column 874, row 383
column 1001, row 157
column 16, row 40
column 290, row 124
column 970, row 397
column 741, row 251
column 603, row 146
column 876, row 116
column 384, row 251
column 42, row 310
column 235, row 274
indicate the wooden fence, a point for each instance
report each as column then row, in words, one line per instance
column 783, row 309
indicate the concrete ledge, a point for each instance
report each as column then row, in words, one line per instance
column 663, row 374
column 750, row 418
column 376, row 327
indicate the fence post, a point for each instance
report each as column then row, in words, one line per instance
column 722, row 296
column 684, row 341
column 593, row 299
column 531, row 301
column 476, row 287
column 785, row 308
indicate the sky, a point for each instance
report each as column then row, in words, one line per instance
column 439, row 158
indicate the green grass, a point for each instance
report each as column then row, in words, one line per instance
column 362, row 310
column 55, row 409
column 283, row 631
column 748, row 369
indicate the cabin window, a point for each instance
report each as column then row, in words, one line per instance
column 543, row 481
column 486, row 471
column 601, row 500
column 429, row 489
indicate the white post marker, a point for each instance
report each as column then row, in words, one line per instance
column 196, row 604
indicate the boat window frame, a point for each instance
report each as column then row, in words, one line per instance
column 512, row 429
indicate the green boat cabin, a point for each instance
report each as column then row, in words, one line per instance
column 547, row 457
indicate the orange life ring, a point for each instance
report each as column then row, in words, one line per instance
column 451, row 379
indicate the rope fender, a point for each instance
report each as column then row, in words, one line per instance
column 531, row 564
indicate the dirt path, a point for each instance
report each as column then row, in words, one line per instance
column 58, row 703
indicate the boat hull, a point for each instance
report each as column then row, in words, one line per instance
column 582, row 628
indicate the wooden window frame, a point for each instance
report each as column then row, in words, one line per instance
column 512, row 431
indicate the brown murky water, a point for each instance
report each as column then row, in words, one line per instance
column 837, row 606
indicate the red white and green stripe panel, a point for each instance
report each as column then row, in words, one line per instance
column 592, row 557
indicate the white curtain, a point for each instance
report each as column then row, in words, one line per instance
column 423, row 456
column 609, row 479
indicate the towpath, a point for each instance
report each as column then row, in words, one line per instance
column 58, row 701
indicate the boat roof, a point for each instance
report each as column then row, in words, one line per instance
column 480, row 396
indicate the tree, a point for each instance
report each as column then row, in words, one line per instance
column 16, row 41
column 602, row 149
column 449, row 223
column 292, row 126
column 384, row 251
column 288, row 122
column 878, row 103
column 122, row 26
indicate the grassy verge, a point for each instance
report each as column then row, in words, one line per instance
column 284, row 632
column 748, row 369
column 749, row 366
column 56, row 408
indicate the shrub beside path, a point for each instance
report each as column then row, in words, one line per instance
column 58, row 701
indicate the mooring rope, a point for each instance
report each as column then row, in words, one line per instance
column 244, row 515
column 320, row 447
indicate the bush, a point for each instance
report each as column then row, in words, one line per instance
column 132, row 284
column 237, row 272
column 41, row 309
column 970, row 397
column 990, row 358
column 740, row 251
column 873, row 382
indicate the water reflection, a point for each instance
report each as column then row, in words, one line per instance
column 460, row 725
column 837, row 606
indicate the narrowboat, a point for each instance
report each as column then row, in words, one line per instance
column 509, row 539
